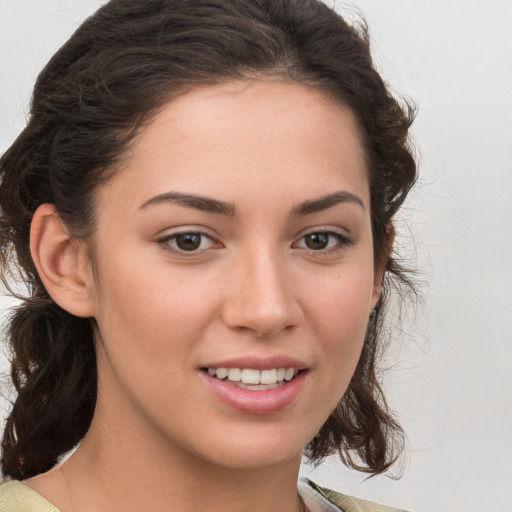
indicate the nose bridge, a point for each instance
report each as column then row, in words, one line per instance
column 262, row 298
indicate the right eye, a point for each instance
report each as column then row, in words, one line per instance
column 187, row 242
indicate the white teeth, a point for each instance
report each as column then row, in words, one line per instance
column 222, row 373
column 254, row 377
column 290, row 372
column 268, row 377
column 234, row 374
column 250, row 376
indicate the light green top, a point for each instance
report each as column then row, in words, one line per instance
column 349, row 503
column 17, row 497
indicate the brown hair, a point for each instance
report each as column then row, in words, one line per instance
column 99, row 89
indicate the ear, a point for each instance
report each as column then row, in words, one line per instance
column 62, row 262
column 380, row 269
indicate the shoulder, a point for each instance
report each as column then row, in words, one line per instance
column 18, row 497
column 351, row 504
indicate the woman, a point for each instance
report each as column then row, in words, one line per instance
column 202, row 207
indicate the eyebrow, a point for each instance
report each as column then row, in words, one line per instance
column 202, row 203
column 326, row 202
column 206, row 204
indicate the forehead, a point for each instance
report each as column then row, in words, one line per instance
column 265, row 134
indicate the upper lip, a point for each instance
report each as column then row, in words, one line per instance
column 259, row 363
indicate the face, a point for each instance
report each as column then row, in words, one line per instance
column 234, row 244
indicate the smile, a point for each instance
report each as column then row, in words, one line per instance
column 253, row 379
column 254, row 391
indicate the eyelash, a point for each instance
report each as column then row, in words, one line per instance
column 343, row 242
column 167, row 240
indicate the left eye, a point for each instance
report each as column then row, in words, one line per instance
column 188, row 242
column 323, row 240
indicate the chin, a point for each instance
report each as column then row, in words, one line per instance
column 256, row 449
column 257, row 459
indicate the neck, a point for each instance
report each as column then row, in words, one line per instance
column 114, row 469
column 147, row 481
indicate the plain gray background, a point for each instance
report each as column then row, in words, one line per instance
column 452, row 385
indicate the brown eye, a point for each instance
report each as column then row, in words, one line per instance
column 324, row 241
column 188, row 241
column 317, row 241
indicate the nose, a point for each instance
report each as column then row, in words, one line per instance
column 260, row 297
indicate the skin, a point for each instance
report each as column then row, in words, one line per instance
column 254, row 288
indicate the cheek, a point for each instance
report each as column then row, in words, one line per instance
column 150, row 327
column 341, row 307
column 143, row 313
column 341, row 313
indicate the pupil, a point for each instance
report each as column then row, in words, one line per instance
column 188, row 241
column 317, row 240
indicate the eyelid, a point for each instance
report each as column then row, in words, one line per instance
column 164, row 240
column 344, row 240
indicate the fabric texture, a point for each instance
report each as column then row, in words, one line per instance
column 18, row 497
column 349, row 503
column 313, row 499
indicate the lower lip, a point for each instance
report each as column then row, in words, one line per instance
column 268, row 401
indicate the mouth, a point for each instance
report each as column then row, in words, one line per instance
column 255, row 385
column 253, row 379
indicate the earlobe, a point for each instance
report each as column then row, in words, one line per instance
column 61, row 262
